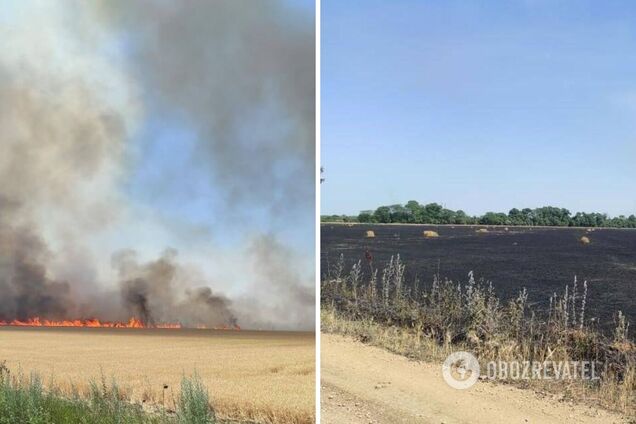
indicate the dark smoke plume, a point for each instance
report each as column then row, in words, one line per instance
column 156, row 292
column 25, row 288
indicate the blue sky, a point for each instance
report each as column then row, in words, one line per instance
column 167, row 181
column 479, row 105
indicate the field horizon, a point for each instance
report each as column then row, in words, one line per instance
column 415, row 224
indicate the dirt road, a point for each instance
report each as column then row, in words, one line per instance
column 364, row 384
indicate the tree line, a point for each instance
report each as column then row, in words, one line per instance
column 433, row 213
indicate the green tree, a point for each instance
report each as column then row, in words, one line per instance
column 431, row 213
column 382, row 214
column 494, row 218
column 366, row 216
column 461, row 218
column 415, row 211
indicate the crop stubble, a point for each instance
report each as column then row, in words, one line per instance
column 259, row 375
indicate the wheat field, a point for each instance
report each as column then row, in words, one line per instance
column 251, row 375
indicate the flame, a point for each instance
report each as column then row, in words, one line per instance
column 93, row 322
column 96, row 323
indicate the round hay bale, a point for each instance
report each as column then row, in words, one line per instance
column 482, row 230
column 430, row 234
column 584, row 240
column 370, row 234
column 506, row 229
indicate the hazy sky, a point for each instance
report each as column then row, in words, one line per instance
column 479, row 105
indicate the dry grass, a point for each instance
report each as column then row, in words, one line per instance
column 410, row 342
column 430, row 234
column 258, row 376
column 426, row 322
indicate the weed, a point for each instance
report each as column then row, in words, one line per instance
column 428, row 322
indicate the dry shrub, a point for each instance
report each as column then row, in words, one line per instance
column 370, row 234
column 584, row 240
column 430, row 234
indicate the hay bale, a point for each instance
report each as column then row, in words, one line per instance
column 506, row 229
column 370, row 234
column 482, row 230
column 584, row 240
column 430, row 234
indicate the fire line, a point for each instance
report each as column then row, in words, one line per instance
column 96, row 323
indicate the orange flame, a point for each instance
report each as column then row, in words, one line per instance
column 96, row 323
column 93, row 322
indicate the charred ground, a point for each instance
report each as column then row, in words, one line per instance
column 543, row 260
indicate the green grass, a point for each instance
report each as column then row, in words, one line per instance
column 25, row 400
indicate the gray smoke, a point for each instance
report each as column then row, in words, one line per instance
column 240, row 73
column 26, row 289
column 157, row 292
column 61, row 142
column 243, row 74
column 281, row 295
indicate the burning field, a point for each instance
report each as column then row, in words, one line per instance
column 262, row 376
column 127, row 200
column 146, row 151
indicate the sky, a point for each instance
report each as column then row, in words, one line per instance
column 479, row 106
column 165, row 180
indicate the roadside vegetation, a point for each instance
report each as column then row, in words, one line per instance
column 25, row 400
column 429, row 321
column 433, row 213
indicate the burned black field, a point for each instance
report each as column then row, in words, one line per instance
column 543, row 260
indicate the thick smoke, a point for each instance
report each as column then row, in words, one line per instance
column 281, row 295
column 151, row 291
column 240, row 73
column 61, row 141
column 26, row 289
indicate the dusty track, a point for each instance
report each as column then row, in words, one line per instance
column 364, row 384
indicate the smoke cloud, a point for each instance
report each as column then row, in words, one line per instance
column 280, row 295
column 75, row 93
column 26, row 289
column 149, row 292
column 242, row 73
